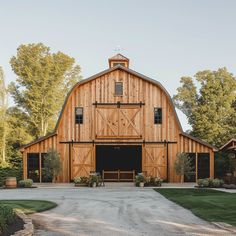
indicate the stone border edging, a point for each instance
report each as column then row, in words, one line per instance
column 225, row 226
column 28, row 226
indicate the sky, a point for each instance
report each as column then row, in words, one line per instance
column 164, row 40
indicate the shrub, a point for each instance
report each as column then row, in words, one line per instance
column 203, row 183
column 81, row 180
column 212, row 183
column 153, row 181
column 77, row 180
column 216, row 183
column 25, row 183
column 7, row 216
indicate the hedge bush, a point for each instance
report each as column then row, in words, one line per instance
column 7, row 216
column 25, row 183
column 212, row 183
column 10, row 172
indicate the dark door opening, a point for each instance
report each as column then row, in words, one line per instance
column 123, row 158
column 203, row 165
column 33, row 166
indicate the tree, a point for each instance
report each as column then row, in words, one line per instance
column 43, row 80
column 182, row 165
column 52, row 164
column 211, row 110
column 17, row 135
column 3, row 123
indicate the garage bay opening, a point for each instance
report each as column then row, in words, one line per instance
column 119, row 162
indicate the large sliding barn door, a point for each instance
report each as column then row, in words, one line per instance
column 118, row 122
column 154, row 160
column 82, row 160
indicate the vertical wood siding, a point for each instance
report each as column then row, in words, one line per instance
column 135, row 90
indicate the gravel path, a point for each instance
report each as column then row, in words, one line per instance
column 111, row 211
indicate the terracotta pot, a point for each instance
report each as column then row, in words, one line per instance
column 11, row 182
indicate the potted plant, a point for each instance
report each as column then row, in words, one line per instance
column 182, row 165
column 81, row 181
column 153, row 181
column 158, row 181
column 95, row 180
column 140, row 180
column 52, row 164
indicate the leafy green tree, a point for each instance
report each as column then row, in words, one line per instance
column 211, row 109
column 182, row 165
column 52, row 164
column 17, row 135
column 3, row 123
column 43, row 80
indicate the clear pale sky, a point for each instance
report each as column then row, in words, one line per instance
column 163, row 39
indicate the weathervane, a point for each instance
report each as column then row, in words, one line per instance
column 118, row 49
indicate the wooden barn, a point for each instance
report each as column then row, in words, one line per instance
column 118, row 122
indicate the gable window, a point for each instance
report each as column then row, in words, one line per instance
column 118, row 63
column 157, row 115
column 79, row 115
column 118, row 88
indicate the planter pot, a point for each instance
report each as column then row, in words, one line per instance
column 94, row 185
column 141, row 184
column 11, row 182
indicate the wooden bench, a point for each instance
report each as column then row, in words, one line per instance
column 118, row 175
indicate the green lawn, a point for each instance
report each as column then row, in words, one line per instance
column 211, row 205
column 29, row 206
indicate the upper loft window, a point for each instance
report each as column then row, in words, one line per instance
column 118, row 88
column 157, row 115
column 79, row 115
column 118, row 63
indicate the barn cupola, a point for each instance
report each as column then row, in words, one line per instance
column 118, row 59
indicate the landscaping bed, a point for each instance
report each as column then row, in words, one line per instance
column 13, row 226
column 10, row 222
column 208, row 204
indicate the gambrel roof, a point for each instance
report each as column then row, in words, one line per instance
column 132, row 72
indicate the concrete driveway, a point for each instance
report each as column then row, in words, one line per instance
column 111, row 211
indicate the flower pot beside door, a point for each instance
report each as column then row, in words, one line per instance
column 141, row 184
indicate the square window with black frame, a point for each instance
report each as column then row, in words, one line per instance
column 157, row 115
column 79, row 115
column 118, row 88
